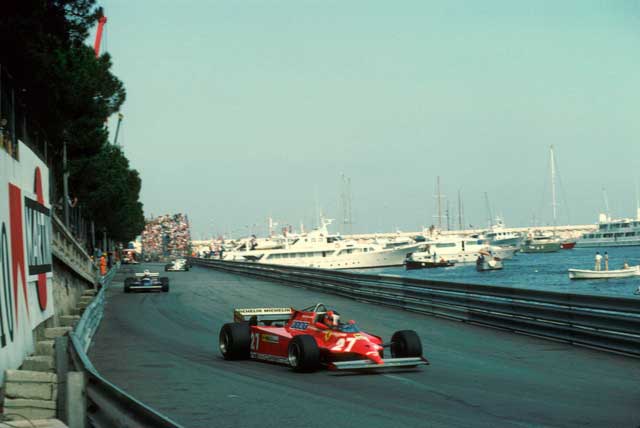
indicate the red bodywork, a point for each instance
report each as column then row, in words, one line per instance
column 270, row 338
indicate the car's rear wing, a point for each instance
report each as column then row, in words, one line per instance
column 271, row 314
column 150, row 275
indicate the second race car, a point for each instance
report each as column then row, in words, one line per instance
column 178, row 265
column 146, row 281
column 314, row 337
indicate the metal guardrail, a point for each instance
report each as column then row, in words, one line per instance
column 90, row 319
column 107, row 405
column 606, row 323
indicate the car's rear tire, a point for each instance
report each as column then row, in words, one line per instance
column 165, row 284
column 406, row 344
column 127, row 285
column 303, row 353
column 234, row 341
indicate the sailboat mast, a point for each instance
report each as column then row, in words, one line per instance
column 459, row 210
column 637, row 202
column 554, row 205
column 448, row 217
column 489, row 215
column 439, row 205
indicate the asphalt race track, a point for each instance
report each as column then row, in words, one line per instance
column 162, row 348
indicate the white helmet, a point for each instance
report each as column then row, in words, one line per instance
column 332, row 319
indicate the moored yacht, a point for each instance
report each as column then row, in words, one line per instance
column 499, row 236
column 538, row 242
column 613, row 233
column 320, row 249
column 457, row 250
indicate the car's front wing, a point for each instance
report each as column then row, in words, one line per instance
column 146, row 287
column 370, row 365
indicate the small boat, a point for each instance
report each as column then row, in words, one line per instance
column 411, row 265
column 567, row 245
column 604, row 274
column 488, row 263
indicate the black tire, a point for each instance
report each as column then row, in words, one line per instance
column 165, row 284
column 406, row 344
column 127, row 285
column 303, row 353
column 234, row 341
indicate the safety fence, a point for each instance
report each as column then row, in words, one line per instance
column 606, row 323
column 106, row 404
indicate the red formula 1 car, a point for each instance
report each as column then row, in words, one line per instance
column 314, row 337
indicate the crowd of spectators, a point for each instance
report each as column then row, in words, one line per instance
column 167, row 236
column 6, row 141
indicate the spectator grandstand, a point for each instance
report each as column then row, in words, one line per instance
column 166, row 236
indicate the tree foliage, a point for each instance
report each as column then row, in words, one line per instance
column 69, row 93
column 111, row 190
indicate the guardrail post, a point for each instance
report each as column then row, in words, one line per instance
column 61, row 348
column 76, row 400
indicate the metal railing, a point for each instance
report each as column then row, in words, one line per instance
column 90, row 319
column 107, row 404
column 602, row 322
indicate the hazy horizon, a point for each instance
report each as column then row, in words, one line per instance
column 240, row 111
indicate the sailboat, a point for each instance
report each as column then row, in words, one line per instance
column 538, row 242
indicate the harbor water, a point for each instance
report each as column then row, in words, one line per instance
column 540, row 271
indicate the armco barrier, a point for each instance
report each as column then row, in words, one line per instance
column 107, row 405
column 606, row 323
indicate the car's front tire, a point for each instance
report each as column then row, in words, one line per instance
column 303, row 353
column 234, row 341
column 406, row 344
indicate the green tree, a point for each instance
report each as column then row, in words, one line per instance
column 69, row 93
column 109, row 190
column 65, row 89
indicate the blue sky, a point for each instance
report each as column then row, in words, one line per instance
column 237, row 110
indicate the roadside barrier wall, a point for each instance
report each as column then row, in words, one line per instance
column 606, row 323
column 73, row 272
column 26, row 298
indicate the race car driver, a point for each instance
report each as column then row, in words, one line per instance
column 331, row 319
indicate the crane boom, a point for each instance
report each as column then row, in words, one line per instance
column 96, row 46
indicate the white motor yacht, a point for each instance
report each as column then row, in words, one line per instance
column 613, row 233
column 320, row 249
column 499, row 236
column 458, row 249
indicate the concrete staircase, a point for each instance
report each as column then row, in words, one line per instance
column 32, row 391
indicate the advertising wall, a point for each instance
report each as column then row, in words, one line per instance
column 25, row 254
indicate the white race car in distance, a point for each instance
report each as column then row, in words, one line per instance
column 178, row 265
